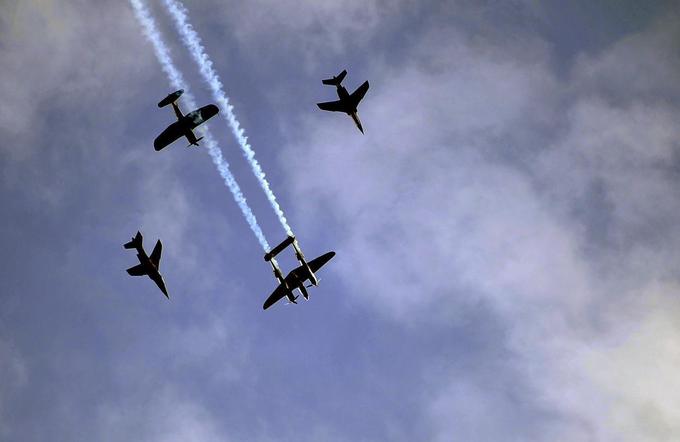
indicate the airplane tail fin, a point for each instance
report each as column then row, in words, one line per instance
column 195, row 142
column 336, row 80
column 135, row 242
column 171, row 98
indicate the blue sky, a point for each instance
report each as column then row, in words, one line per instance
column 506, row 230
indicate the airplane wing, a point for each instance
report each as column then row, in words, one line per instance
column 156, row 254
column 169, row 135
column 358, row 94
column 200, row 116
column 319, row 262
column 278, row 293
column 298, row 274
column 332, row 106
column 138, row 270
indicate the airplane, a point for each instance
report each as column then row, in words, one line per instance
column 148, row 265
column 295, row 280
column 184, row 124
column 348, row 102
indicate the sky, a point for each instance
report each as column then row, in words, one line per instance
column 506, row 229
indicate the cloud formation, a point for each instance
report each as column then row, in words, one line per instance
column 487, row 178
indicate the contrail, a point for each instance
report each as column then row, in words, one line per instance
column 177, row 81
column 193, row 43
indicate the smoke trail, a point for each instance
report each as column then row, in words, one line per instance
column 193, row 42
column 177, row 81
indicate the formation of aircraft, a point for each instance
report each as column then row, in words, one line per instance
column 348, row 102
column 185, row 124
column 148, row 265
column 183, row 127
column 296, row 279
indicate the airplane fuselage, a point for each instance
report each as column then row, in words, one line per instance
column 189, row 134
column 303, row 290
column 351, row 111
column 311, row 275
column 191, row 138
column 147, row 263
column 344, row 96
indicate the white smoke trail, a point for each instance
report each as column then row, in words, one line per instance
column 177, row 81
column 193, row 42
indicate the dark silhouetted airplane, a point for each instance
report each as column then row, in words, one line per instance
column 184, row 124
column 297, row 277
column 148, row 265
column 348, row 102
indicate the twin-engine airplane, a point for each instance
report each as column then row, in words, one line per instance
column 148, row 265
column 297, row 277
column 348, row 102
column 184, row 124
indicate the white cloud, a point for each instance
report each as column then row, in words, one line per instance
column 417, row 193
column 54, row 61
column 313, row 25
column 162, row 416
column 435, row 219
column 636, row 368
column 630, row 150
column 638, row 67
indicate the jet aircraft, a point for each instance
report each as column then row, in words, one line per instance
column 184, row 124
column 348, row 102
column 297, row 277
column 148, row 265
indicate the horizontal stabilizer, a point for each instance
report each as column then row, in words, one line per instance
column 170, row 98
column 278, row 249
column 195, row 142
column 335, row 80
column 135, row 243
